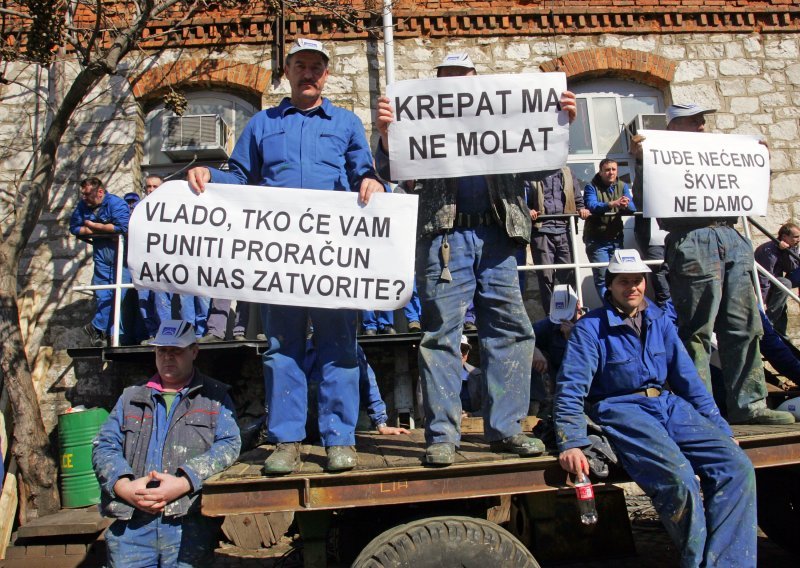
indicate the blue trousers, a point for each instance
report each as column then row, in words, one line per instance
column 286, row 385
column 710, row 272
column 148, row 541
column 377, row 319
column 484, row 271
column 148, row 316
column 193, row 309
column 412, row 310
column 663, row 443
column 601, row 250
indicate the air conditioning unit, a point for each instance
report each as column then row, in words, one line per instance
column 197, row 136
column 654, row 121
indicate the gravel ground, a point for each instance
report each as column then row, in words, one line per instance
column 654, row 548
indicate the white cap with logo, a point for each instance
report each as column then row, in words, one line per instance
column 456, row 60
column 174, row 333
column 690, row 109
column 627, row 261
column 563, row 303
column 303, row 44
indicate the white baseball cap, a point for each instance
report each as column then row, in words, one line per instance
column 303, row 44
column 456, row 60
column 563, row 303
column 174, row 333
column 627, row 261
column 792, row 405
column 690, row 109
column 465, row 341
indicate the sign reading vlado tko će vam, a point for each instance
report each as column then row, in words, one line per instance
column 295, row 247
column 477, row 125
column 690, row 174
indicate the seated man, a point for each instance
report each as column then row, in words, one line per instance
column 619, row 358
column 163, row 439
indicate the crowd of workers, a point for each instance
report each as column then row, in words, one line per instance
column 639, row 369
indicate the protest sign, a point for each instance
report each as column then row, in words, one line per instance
column 484, row 124
column 691, row 174
column 294, row 247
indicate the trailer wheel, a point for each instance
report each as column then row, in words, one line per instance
column 445, row 542
column 779, row 504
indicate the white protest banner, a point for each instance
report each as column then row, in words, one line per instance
column 484, row 124
column 295, row 247
column 698, row 174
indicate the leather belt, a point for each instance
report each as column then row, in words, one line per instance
column 650, row 392
column 470, row 220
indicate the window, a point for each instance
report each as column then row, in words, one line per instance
column 605, row 107
column 234, row 111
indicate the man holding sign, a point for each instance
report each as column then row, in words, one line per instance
column 305, row 142
column 710, row 270
column 469, row 229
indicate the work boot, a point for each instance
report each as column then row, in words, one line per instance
column 469, row 326
column 341, row 458
column 768, row 416
column 370, row 331
column 388, row 330
column 148, row 341
column 239, row 337
column 210, row 338
column 96, row 337
column 443, row 453
column 519, row 444
column 414, row 327
column 284, row 459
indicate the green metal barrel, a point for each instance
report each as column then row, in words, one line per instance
column 76, row 430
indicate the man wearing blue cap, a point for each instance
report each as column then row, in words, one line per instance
column 305, row 142
column 711, row 282
column 162, row 440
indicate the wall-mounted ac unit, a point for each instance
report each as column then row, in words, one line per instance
column 652, row 121
column 200, row 136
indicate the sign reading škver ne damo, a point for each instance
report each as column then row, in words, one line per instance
column 698, row 174
column 294, row 247
column 483, row 124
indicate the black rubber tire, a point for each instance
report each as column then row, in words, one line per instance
column 779, row 504
column 446, row 542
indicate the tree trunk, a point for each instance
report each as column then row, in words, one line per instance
column 30, row 444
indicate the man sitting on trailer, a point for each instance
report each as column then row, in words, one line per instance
column 163, row 439
column 621, row 359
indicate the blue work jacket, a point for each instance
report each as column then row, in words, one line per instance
column 112, row 210
column 281, row 146
column 605, row 359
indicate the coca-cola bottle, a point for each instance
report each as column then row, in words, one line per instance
column 585, row 493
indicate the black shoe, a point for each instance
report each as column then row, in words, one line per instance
column 341, row 458
column 370, row 331
column 519, row 444
column 388, row 330
column 96, row 337
column 442, row 453
column 284, row 459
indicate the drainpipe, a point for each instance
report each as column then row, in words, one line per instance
column 388, row 40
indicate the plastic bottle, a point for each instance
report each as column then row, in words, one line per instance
column 585, row 493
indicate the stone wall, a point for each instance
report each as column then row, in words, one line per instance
column 752, row 78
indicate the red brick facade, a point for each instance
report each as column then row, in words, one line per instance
column 615, row 62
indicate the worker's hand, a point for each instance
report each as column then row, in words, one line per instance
column 384, row 118
column 573, row 461
column 534, row 214
column 566, row 328
column 198, row 178
column 583, row 213
column 126, row 488
column 636, row 146
column 569, row 104
column 368, row 187
column 539, row 361
column 735, row 441
column 385, row 430
column 783, row 245
column 166, row 489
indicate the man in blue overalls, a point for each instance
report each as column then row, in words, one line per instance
column 619, row 359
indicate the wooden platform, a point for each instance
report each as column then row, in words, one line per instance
column 391, row 471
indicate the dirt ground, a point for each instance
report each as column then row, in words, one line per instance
column 654, row 548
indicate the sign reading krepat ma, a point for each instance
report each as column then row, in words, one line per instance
column 698, row 174
column 294, row 247
column 482, row 124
